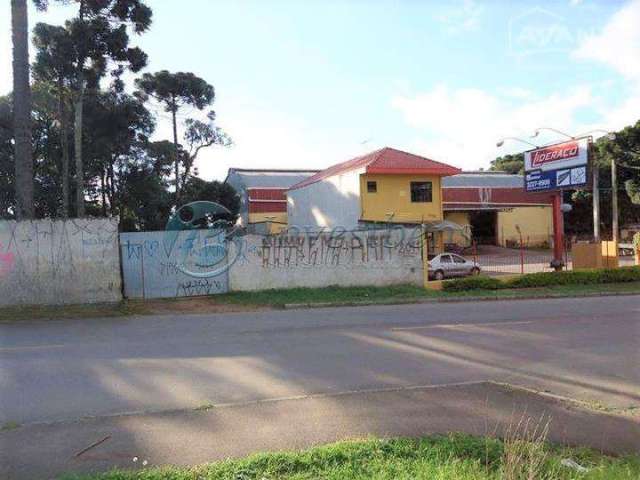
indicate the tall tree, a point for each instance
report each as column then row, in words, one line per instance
column 118, row 128
column 175, row 90
column 100, row 44
column 54, row 64
column 199, row 135
column 625, row 151
column 22, row 110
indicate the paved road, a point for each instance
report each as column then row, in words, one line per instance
column 584, row 348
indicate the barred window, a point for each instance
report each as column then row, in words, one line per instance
column 421, row 192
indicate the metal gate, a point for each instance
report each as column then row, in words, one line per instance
column 167, row 264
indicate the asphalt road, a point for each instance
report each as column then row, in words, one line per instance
column 586, row 348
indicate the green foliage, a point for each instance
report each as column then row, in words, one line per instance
column 176, row 89
column 636, row 241
column 586, row 277
column 513, row 164
column 197, row 189
column 472, row 283
column 454, row 457
column 625, row 151
column 547, row 279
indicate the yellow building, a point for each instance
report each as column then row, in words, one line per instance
column 385, row 186
column 494, row 209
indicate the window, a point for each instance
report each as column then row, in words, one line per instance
column 372, row 187
column 421, row 192
column 457, row 259
column 445, row 259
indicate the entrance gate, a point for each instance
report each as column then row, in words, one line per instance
column 165, row 264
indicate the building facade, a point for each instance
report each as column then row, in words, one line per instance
column 263, row 200
column 385, row 186
column 494, row 209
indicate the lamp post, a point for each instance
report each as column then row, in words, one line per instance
column 500, row 142
column 539, row 129
column 614, row 188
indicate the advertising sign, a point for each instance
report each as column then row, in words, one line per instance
column 556, row 167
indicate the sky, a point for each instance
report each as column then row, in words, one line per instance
column 309, row 84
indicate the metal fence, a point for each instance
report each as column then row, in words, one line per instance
column 496, row 260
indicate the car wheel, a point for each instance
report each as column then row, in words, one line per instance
column 475, row 271
column 439, row 275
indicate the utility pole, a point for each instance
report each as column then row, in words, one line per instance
column 614, row 202
column 596, row 202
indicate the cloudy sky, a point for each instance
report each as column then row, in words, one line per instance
column 308, row 84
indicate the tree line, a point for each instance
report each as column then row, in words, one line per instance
column 74, row 141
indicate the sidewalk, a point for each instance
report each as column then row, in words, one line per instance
column 43, row 451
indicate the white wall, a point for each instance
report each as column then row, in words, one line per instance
column 331, row 202
column 56, row 262
column 374, row 257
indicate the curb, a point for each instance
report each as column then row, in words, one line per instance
column 295, row 306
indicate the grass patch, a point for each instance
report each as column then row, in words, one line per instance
column 9, row 426
column 332, row 294
column 277, row 298
column 453, row 457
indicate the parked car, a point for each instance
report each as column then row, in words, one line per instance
column 625, row 249
column 447, row 265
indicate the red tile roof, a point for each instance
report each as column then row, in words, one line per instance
column 384, row 161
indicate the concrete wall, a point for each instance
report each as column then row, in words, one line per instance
column 56, row 262
column 459, row 238
column 374, row 257
column 173, row 264
column 331, row 202
column 536, row 225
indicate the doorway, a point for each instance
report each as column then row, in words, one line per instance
column 483, row 226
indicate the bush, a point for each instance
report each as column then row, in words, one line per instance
column 472, row 283
column 547, row 279
column 586, row 277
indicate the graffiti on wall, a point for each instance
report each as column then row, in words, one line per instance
column 338, row 248
column 156, row 268
column 50, row 261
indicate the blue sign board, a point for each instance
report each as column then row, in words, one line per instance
column 544, row 180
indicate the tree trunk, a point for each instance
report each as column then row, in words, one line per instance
column 64, row 132
column 103, row 188
column 22, row 111
column 112, row 191
column 175, row 155
column 77, row 137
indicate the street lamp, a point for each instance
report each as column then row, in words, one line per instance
column 614, row 188
column 539, row 129
column 610, row 135
column 516, row 139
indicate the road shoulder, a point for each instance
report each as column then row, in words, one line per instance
column 191, row 437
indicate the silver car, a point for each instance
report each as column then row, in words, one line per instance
column 447, row 265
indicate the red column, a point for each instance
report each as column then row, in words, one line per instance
column 558, row 231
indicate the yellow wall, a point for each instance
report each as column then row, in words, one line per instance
column 280, row 217
column 394, row 195
column 460, row 238
column 536, row 225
